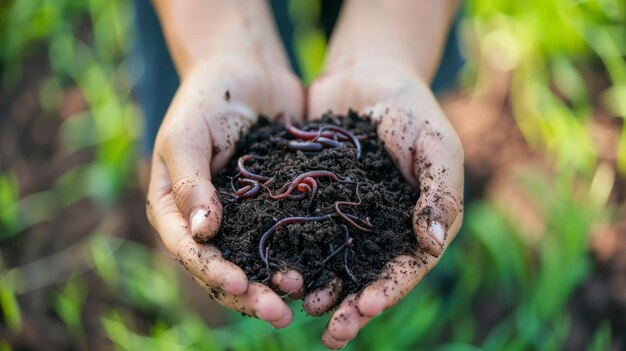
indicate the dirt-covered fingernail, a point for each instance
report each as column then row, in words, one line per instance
column 291, row 281
column 284, row 321
column 198, row 221
column 331, row 342
column 430, row 236
column 438, row 232
column 432, row 242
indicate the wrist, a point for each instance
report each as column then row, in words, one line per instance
column 409, row 32
column 361, row 58
column 198, row 31
column 374, row 67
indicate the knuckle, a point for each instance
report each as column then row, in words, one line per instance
column 290, row 80
column 442, row 205
column 154, row 204
column 391, row 87
column 166, row 138
column 183, row 188
column 323, row 93
column 193, row 255
column 456, row 147
column 184, row 248
column 215, row 293
column 150, row 211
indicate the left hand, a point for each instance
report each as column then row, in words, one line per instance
column 429, row 154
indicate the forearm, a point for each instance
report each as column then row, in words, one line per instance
column 198, row 30
column 403, row 31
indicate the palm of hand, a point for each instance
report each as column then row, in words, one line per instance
column 217, row 102
column 212, row 106
column 428, row 152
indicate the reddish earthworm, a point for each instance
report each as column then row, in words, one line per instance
column 241, row 191
column 246, row 173
column 265, row 237
column 308, row 186
column 316, row 140
column 329, row 142
column 304, row 189
column 353, row 139
column 294, row 183
column 312, row 184
column 299, row 133
column 250, row 189
column 348, row 218
column 300, row 196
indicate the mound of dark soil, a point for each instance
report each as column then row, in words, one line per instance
column 385, row 197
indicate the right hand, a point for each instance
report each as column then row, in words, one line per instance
column 215, row 102
column 426, row 150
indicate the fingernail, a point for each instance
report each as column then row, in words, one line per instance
column 284, row 321
column 431, row 237
column 438, row 232
column 292, row 275
column 198, row 219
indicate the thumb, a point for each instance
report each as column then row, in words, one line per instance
column 429, row 154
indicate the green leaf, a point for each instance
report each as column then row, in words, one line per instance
column 602, row 339
column 10, row 306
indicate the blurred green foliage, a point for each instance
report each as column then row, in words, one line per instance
column 552, row 46
column 549, row 47
column 109, row 126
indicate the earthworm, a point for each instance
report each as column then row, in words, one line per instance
column 242, row 190
column 250, row 189
column 308, row 146
column 247, row 174
column 306, row 186
column 303, row 187
column 299, row 133
column 329, row 142
column 345, row 266
column 355, row 141
column 348, row 218
column 346, row 243
column 310, row 184
column 355, row 218
column 304, row 193
column 300, row 178
column 265, row 237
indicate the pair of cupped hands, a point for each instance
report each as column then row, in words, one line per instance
column 222, row 97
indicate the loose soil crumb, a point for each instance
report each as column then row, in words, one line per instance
column 387, row 199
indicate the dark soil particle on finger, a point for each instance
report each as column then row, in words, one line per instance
column 386, row 199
